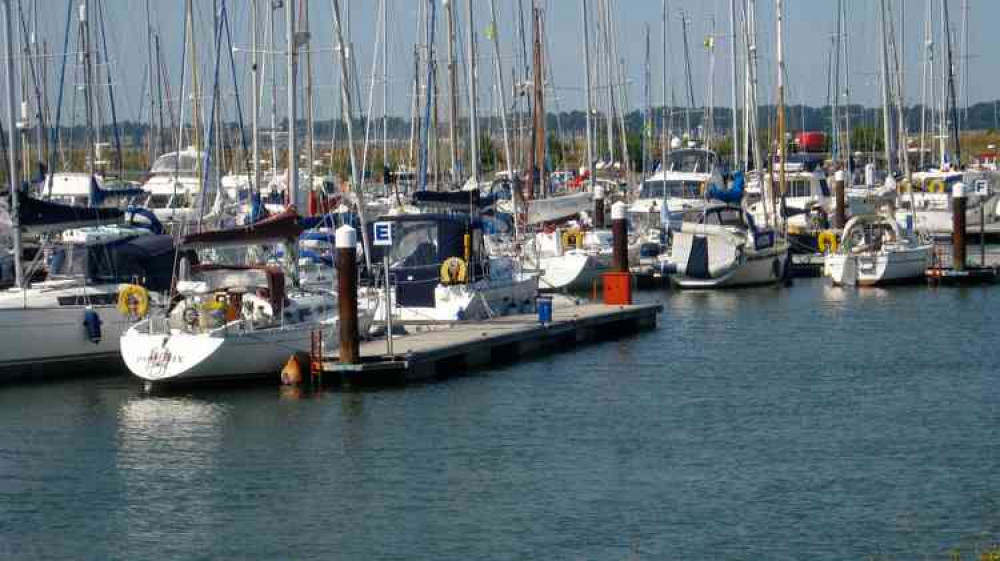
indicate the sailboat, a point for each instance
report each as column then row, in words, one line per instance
column 70, row 321
column 875, row 251
column 230, row 319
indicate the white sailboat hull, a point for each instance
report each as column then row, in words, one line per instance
column 761, row 269
column 874, row 269
column 47, row 342
column 183, row 357
column 570, row 271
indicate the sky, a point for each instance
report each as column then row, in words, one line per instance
column 809, row 29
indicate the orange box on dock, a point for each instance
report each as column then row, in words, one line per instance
column 617, row 289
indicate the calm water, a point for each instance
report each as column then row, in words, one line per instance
column 810, row 423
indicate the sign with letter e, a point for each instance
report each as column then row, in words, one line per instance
column 383, row 233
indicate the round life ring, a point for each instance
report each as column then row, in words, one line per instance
column 826, row 242
column 133, row 301
column 190, row 316
column 454, row 270
column 572, row 238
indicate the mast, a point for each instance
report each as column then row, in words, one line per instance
column 710, row 112
column 255, row 106
column 886, row 91
column 13, row 174
column 473, row 94
column 88, row 95
column 293, row 149
column 926, row 72
column 687, row 74
column 646, row 119
column 152, row 148
column 310, row 102
column 425, row 124
column 538, row 154
column 589, row 93
column 345, row 93
column 385, row 94
column 735, row 97
column 665, row 141
column 274, row 92
column 452, row 92
column 781, row 99
column 501, row 91
column 953, row 101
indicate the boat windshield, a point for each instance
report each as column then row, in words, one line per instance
column 724, row 217
column 416, row 244
column 691, row 161
column 168, row 163
column 670, row 189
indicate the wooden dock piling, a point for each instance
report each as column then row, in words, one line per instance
column 347, row 294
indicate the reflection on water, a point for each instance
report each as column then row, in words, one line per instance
column 813, row 422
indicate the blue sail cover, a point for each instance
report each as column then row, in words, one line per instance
column 732, row 195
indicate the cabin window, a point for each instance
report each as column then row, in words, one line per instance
column 168, row 163
column 799, row 188
column 724, row 217
column 670, row 189
column 417, row 244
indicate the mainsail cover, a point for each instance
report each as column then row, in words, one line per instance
column 38, row 216
column 277, row 228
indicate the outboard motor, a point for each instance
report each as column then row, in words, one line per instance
column 92, row 325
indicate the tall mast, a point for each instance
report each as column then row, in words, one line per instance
column 647, row 125
column 255, row 105
column 539, row 117
column 926, row 72
column 293, row 149
column 274, row 91
column 735, row 97
column 501, row 91
column 452, row 93
column 152, row 148
column 310, row 102
column 606, row 13
column 385, row 92
column 345, row 93
column 886, row 91
column 88, row 82
column 710, row 111
column 470, row 27
column 589, row 92
column 13, row 175
column 953, row 101
column 781, row 98
column 665, row 142
column 687, row 74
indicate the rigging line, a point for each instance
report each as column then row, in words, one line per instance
column 111, row 92
column 62, row 83
column 236, row 88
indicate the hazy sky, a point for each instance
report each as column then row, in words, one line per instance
column 809, row 28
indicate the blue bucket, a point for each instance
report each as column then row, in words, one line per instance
column 544, row 305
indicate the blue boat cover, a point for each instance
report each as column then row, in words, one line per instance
column 734, row 194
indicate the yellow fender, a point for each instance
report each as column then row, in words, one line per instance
column 936, row 186
column 133, row 301
column 572, row 238
column 454, row 270
column 827, row 242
